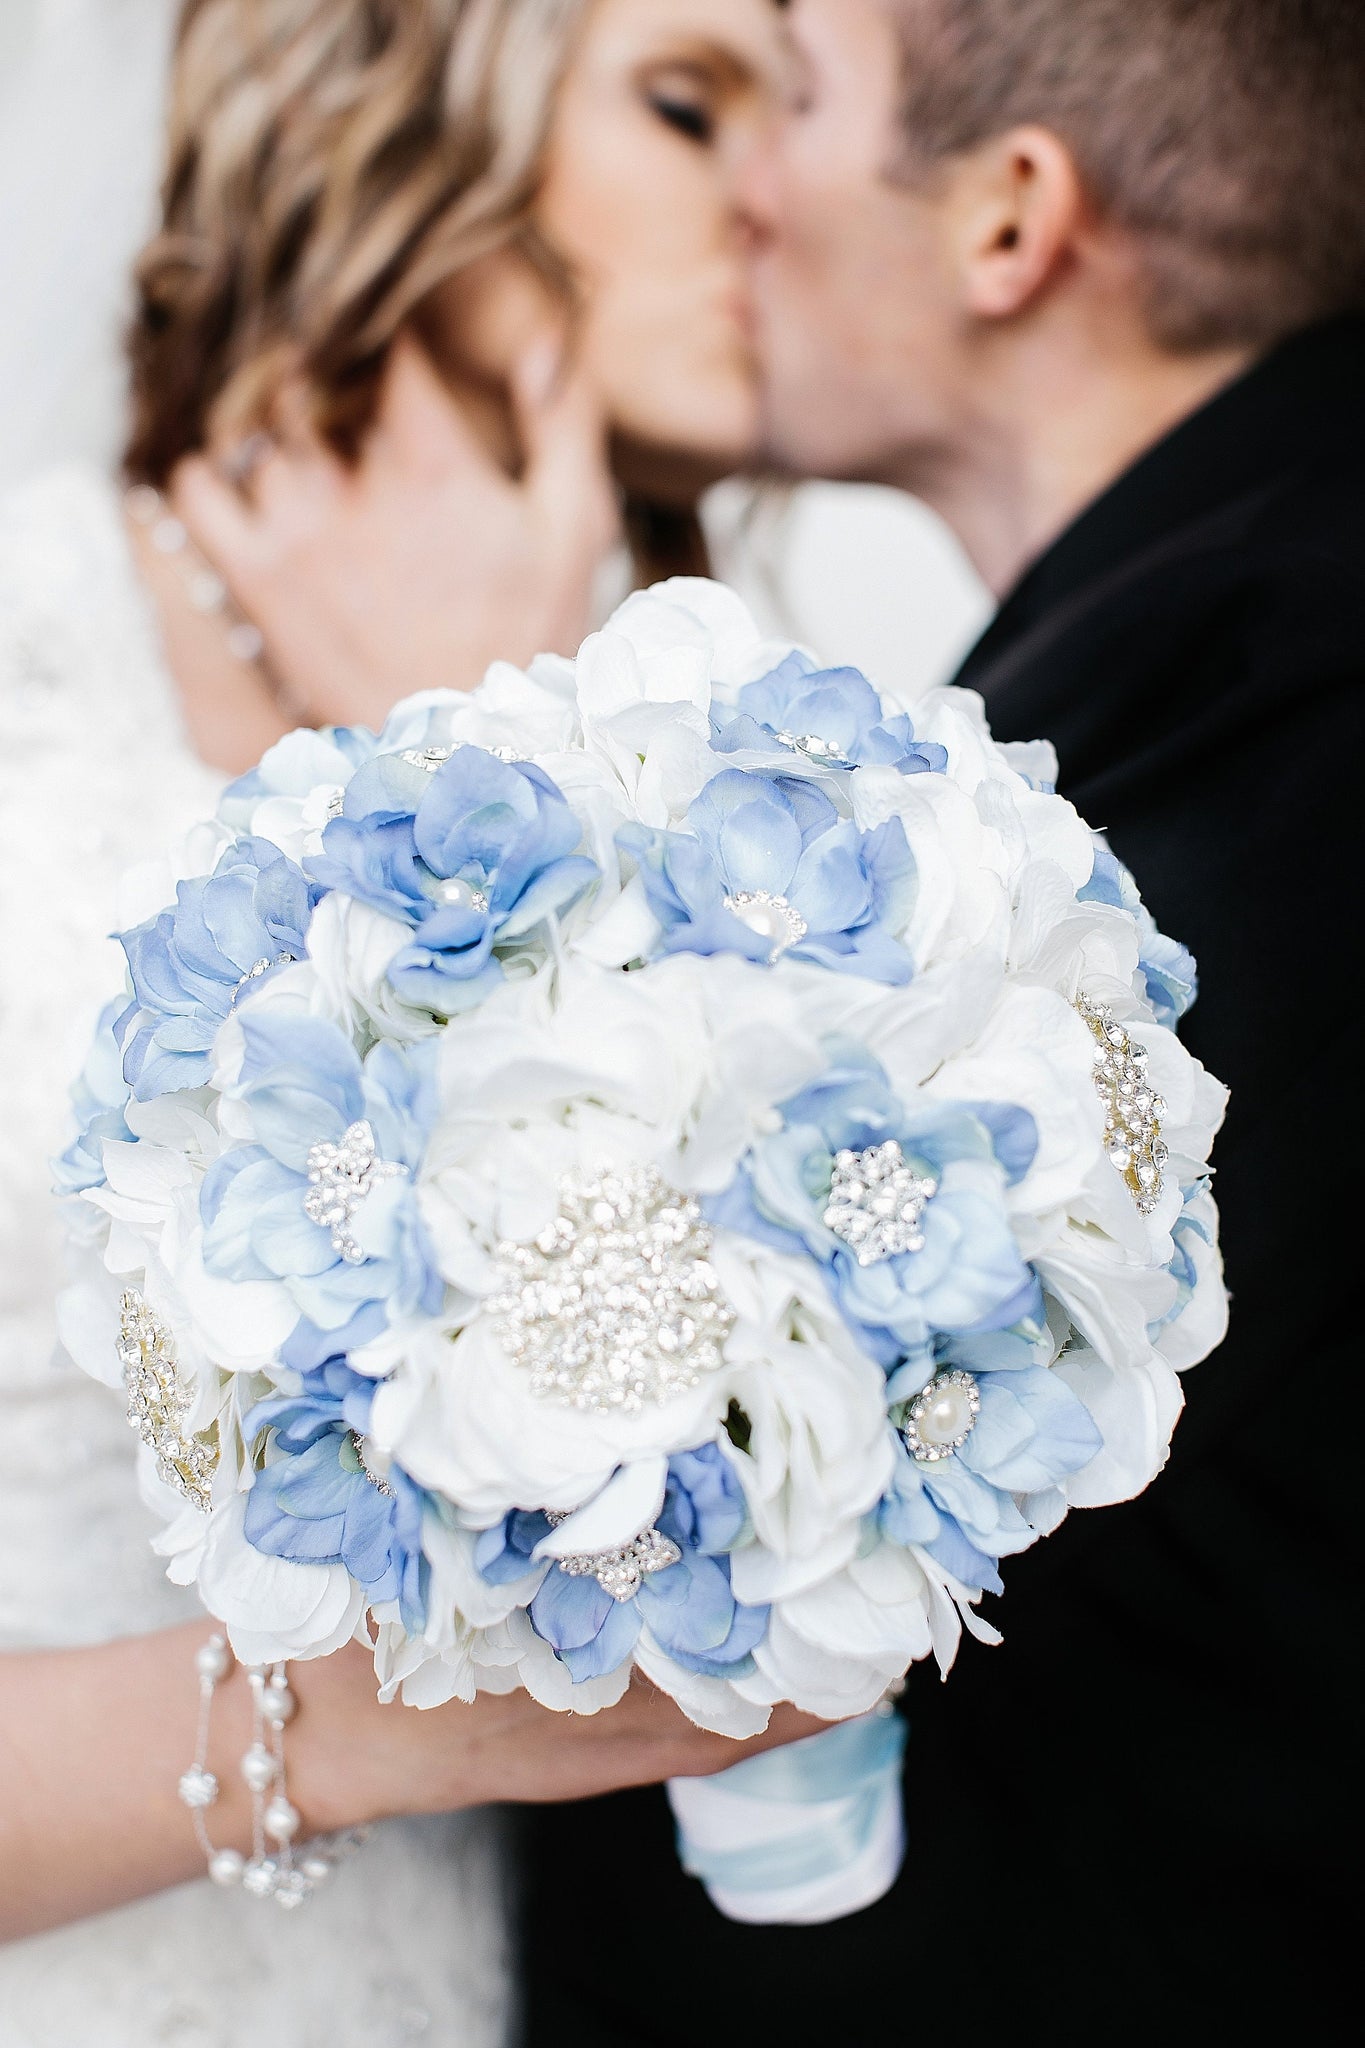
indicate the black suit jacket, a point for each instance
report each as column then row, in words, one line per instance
column 1140, row 1799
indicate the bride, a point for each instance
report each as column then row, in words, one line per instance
column 423, row 262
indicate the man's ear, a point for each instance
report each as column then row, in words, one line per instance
column 1020, row 214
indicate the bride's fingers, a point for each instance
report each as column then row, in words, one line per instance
column 563, row 430
column 217, row 518
column 420, row 430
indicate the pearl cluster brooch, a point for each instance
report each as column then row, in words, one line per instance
column 340, row 1176
column 159, row 1402
column 620, row 1572
column 616, row 1303
column 1133, row 1110
column 273, row 1870
column 877, row 1202
column 940, row 1420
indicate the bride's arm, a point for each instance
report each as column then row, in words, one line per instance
column 93, row 1742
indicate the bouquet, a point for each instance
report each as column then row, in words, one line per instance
column 666, row 1162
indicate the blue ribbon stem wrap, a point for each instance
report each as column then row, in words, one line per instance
column 800, row 1835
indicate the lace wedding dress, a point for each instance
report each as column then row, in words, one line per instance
column 407, row 1943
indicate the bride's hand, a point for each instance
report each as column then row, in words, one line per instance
column 370, row 1760
column 424, row 562
column 93, row 1742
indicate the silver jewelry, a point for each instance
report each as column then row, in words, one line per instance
column 616, row 1304
column 275, row 1869
column 205, row 588
column 619, row 1572
column 942, row 1417
column 160, row 1400
column 240, row 463
column 1133, row 1109
column 877, row 1202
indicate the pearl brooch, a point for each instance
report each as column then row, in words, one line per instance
column 340, row 1176
column 942, row 1417
column 457, row 894
column 772, row 917
column 1133, row 1109
column 877, row 1202
column 159, row 1402
column 620, row 1572
column 616, row 1303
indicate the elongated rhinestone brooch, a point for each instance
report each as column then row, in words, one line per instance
column 616, row 1303
column 1133, row 1109
column 159, row 1402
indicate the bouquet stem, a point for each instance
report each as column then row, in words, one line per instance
column 800, row 1835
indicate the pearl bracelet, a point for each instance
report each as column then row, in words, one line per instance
column 273, row 1870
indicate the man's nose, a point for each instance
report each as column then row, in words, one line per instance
column 755, row 188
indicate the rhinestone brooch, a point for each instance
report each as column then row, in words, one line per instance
column 941, row 1419
column 877, row 1202
column 620, row 1572
column 814, row 748
column 373, row 1471
column 1133, row 1111
column 255, row 971
column 432, row 758
column 340, row 1176
column 772, row 917
column 159, row 1402
column 616, row 1303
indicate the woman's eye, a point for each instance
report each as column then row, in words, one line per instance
column 688, row 116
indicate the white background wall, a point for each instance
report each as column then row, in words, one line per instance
column 864, row 576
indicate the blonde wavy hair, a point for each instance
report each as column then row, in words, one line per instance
column 331, row 163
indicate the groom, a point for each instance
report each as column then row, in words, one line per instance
column 1089, row 276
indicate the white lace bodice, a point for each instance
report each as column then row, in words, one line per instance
column 407, row 1944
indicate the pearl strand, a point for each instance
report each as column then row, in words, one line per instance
column 273, row 1870
column 206, row 590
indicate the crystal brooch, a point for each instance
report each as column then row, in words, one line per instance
column 339, row 1178
column 877, row 1202
column 432, row 758
column 616, row 1303
column 620, row 1572
column 827, row 752
column 1133, row 1110
column 159, row 1402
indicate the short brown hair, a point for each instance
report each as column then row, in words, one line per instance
column 1227, row 136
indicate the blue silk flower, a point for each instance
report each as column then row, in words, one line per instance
column 307, row 1091
column 191, row 964
column 471, row 855
column 968, row 1276
column 832, row 715
column 688, row 1607
column 316, row 1501
column 767, row 866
